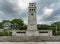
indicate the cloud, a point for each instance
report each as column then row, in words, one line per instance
column 23, row 4
column 52, row 13
column 48, row 11
column 9, row 9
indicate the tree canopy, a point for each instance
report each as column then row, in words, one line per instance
column 20, row 25
column 15, row 24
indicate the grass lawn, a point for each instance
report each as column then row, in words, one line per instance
column 5, row 33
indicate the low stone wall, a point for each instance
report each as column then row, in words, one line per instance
column 56, row 38
column 29, row 39
column 31, row 32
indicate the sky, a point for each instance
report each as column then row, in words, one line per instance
column 48, row 11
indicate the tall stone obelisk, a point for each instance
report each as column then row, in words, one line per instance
column 32, row 22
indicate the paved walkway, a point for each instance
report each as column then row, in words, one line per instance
column 29, row 42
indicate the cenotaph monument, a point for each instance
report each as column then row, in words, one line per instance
column 32, row 21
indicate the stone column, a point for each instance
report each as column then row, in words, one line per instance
column 32, row 22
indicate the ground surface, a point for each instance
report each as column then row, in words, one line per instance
column 26, row 39
column 29, row 42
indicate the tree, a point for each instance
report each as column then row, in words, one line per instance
column 4, row 21
column 1, row 25
column 24, row 27
column 43, row 27
column 56, row 28
column 17, row 23
column 56, row 24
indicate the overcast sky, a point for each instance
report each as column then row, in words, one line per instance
column 48, row 11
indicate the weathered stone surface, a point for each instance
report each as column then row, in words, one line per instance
column 29, row 39
column 32, row 22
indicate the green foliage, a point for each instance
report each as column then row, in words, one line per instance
column 5, row 33
column 17, row 21
column 47, row 27
column 56, row 24
column 1, row 26
column 19, row 24
column 43, row 27
column 58, row 33
column 1, row 23
column 4, row 21
column 24, row 27
column 15, row 24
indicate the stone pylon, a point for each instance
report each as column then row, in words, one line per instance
column 32, row 21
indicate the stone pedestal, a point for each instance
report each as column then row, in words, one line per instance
column 32, row 33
